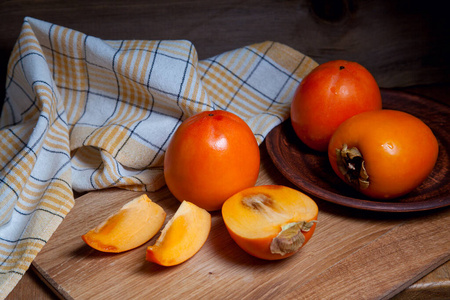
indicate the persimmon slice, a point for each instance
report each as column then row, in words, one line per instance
column 133, row 225
column 182, row 237
column 270, row 222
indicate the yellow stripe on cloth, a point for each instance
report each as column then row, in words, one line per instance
column 82, row 114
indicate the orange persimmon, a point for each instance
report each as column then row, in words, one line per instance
column 211, row 156
column 182, row 237
column 383, row 154
column 133, row 225
column 330, row 94
column 270, row 222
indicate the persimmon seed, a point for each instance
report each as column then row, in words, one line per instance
column 258, row 202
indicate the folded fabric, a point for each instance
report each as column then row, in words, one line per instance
column 83, row 114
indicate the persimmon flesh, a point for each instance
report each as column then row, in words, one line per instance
column 133, row 225
column 211, row 156
column 182, row 237
column 270, row 222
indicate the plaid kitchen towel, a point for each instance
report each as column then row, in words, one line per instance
column 82, row 114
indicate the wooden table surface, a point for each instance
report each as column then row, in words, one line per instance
column 435, row 285
column 405, row 44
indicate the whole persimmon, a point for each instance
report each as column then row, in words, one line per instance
column 383, row 154
column 211, row 156
column 271, row 221
column 327, row 96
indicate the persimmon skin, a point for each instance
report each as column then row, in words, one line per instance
column 260, row 248
column 211, row 156
column 398, row 149
column 327, row 96
column 253, row 230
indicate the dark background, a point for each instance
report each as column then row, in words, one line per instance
column 403, row 43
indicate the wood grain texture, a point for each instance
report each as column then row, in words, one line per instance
column 348, row 244
column 402, row 251
column 434, row 286
column 31, row 286
column 402, row 43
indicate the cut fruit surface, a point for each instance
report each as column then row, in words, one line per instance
column 133, row 225
column 270, row 222
column 182, row 237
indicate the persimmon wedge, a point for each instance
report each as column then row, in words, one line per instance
column 133, row 225
column 270, row 222
column 182, row 237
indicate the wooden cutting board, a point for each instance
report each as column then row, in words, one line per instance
column 354, row 254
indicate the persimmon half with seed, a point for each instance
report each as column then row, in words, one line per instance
column 182, row 237
column 271, row 221
column 133, row 225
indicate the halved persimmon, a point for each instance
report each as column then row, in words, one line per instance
column 270, row 222
column 133, row 225
column 182, row 237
